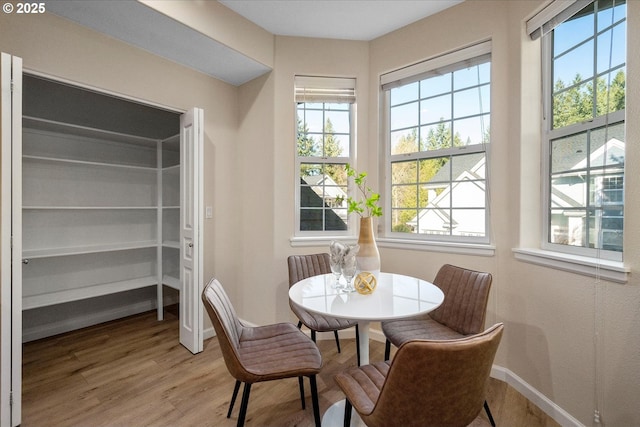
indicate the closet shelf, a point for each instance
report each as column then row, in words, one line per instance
column 89, row 208
column 171, row 244
column 88, row 163
column 52, row 298
column 79, row 250
column 171, row 282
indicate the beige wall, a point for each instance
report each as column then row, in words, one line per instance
column 551, row 316
column 268, row 154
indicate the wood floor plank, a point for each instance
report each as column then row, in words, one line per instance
column 133, row 372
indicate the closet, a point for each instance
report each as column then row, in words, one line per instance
column 100, row 207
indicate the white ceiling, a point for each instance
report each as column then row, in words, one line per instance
column 141, row 26
column 336, row 19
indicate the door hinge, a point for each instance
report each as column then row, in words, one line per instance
column 10, row 398
column 11, row 85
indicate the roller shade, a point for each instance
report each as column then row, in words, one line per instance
column 460, row 59
column 553, row 15
column 325, row 89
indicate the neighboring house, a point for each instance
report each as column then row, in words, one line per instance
column 568, row 193
column 315, row 189
column 467, row 190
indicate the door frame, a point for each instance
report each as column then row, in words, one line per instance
column 11, row 232
column 11, row 349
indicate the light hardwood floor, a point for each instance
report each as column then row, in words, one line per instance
column 133, row 372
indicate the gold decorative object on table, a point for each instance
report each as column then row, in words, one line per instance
column 365, row 283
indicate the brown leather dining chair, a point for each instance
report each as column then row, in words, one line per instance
column 262, row 353
column 463, row 312
column 301, row 267
column 436, row 383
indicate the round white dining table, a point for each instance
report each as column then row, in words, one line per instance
column 396, row 296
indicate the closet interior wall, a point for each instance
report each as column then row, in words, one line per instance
column 101, row 208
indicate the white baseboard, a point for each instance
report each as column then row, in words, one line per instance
column 534, row 396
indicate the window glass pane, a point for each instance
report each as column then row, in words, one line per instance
column 337, row 121
column 435, row 85
column 573, row 31
column 436, row 109
column 569, row 153
column 436, row 137
column 433, row 221
column 404, row 196
column 604, row 13
column 616, row 93
column 314, row 120
column 473, row 76
column 612, row 54
column 568, row 227
column 436, row 170
column 472, row 131
column 403, row 220
column 468, row 222
column 404, row 116
column 574, row 66
column 569, row 189
column 404, row 141
column 613, row 152
column 405, row 93
column 336, row 145
column 573, row 105
column 471, row 102
column 404, row 172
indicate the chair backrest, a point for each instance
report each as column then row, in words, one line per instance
column 303, row 266
column 466, row 294
column 226, row 324
column 437, row 383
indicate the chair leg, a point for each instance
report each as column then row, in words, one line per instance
column 358, row 344
column 313, row 335
column 299, row 324
column 314, row 400
column 244, row 404
column 347, row 413
column 488, row 411
column 301, row 384
column 335, row 334
column 236, row 388
column 387, row 350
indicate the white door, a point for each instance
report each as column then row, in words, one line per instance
column 191, row 198
column 11, row 242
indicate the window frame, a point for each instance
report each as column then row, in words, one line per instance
column 472, row 55
column 322, row 83
column 549, row 135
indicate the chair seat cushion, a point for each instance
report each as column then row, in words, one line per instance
column 320, row 323
column 400, row 331
column 277, row 351
column 363, row 384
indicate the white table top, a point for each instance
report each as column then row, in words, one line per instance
column 396, row 296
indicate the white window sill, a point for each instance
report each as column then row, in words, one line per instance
column 614, row 271
column 415, row 245
column 433, row 246
column 308, row 241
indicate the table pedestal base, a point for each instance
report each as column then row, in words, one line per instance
column 334, row 416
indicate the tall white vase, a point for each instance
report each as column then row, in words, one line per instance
column 368, row 257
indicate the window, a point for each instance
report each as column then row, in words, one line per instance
column 584, row 78
column 438, row 122
column 324, row 145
